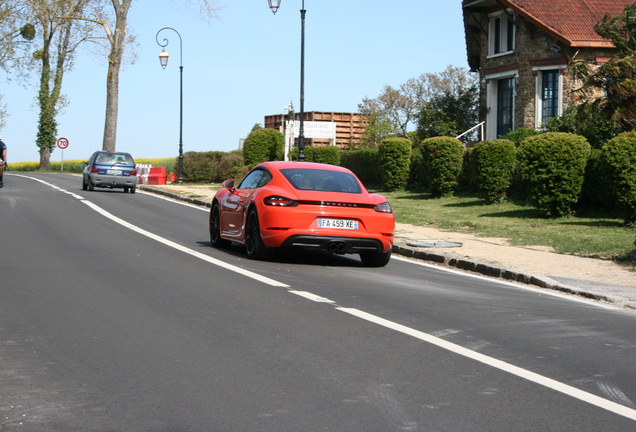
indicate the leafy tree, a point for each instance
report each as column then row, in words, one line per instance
column 585, row 120
column 115, row 25
column 401, row 107
column 14, row 42
column 378, row 128
column 450, row 113
column 616, row 79
column 59, row 38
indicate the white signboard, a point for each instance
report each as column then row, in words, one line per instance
column 314, row 129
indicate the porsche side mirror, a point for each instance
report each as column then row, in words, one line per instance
column 229, row 184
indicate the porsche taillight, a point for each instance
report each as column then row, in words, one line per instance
column 385, row 207
column 279, row 201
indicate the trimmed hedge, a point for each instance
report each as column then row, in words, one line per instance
column 365, row 164
column 553, row 164
column 324, row 154
column 493, row 164
column 618, row 157
column 211, row 167
column 395, row 162
column 263, row 145
column 442, row 159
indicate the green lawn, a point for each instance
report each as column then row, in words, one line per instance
column 599, row 236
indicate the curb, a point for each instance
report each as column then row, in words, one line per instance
column 511, row 275
column 485, row 269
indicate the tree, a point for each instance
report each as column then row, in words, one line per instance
column 115, row 26
column 14, row 39
column 379, row 126
column 401, row 107
column 449, row 114
column 616, row 79
column 59, row 39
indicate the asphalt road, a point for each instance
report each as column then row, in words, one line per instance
column 117, row 315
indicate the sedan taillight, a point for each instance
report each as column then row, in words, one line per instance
column 279, row 201
column 385, row 207
column 94, row 169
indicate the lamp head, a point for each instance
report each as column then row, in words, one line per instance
column 163, row 58
column 274, row 5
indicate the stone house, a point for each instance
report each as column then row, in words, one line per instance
column 522, row 50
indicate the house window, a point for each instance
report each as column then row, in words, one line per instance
column 505, row 104
column 501, row 35
column 549, row 95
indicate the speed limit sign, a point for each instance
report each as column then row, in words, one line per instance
column 62, row 143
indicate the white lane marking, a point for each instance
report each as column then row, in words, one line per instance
column 167, row 242
column 520, row 285
column 441, row 343
column 497, row 364
column 312, row 297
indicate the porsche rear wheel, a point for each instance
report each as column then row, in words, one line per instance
column 253, row 242
column 215, row 228
column 375, row 259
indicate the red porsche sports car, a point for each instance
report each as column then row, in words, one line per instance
column 309, row 206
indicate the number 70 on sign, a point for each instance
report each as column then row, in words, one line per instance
column 62, row 143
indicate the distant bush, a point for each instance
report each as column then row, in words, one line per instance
column 263, row 145
column 585, row 120
column 595, row 192
column 323, row 154
column 442, row 159
column 494, row 164
column 210, row 167
column 365, row 164
column 618, row 157
column 518, row 135
column 553, row 164
column 395, row 162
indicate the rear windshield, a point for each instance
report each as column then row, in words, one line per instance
column 322, row 180
column 114, row 159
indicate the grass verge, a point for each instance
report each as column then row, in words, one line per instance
column 598, row 236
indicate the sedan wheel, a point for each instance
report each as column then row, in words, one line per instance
column 84, row 185
column 215, row 228
column 253, row 242
column 375, row 259
column 90, row 185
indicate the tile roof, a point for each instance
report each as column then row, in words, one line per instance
column 570, row 21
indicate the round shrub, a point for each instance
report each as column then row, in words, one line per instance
column 395, row 162
column 493, row 164
column 263, row 145
column 618, row 157
column 553, row 165
column 442, row 159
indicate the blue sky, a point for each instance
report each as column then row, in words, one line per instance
column 238, row 70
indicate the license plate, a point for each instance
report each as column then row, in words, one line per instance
column 114, row 172
column 338, row 223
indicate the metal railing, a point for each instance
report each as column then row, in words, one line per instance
column 481, row 131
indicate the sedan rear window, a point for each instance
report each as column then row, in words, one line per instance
column 322, row 180
column 114, row 159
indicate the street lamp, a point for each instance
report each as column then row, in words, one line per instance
column 163, row 59
column 274, row 5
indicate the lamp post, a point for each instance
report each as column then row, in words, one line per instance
column 274, row 5
column 163, row 59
